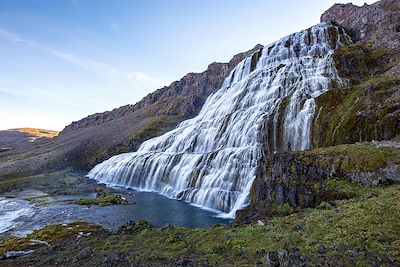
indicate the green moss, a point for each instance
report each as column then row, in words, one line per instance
column 368, row 221
column 284, row 209
column 365, row 112
column 49, row 234
column 104, row 199
column 60, row 182
column 354, row 158
column 360, row 60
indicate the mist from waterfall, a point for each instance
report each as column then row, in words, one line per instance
column 211, row 159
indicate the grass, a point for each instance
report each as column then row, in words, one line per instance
column 103, row 199
column 367, row 222
column 354, row 158
column 50, row 234
column 60, row 182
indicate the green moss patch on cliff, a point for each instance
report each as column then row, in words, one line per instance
column 364, row 157
column 368, row 108
column 359, row 231
column 369, row 111
column 291, row 182
column 360, row 61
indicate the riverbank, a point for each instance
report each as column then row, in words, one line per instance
column 362, row 230
column 24, row 216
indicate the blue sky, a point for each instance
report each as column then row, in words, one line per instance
column 61, row 60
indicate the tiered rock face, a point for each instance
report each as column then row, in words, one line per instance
column 100, row 136
column 297, row 180
column 367, row 109
column 378, row 24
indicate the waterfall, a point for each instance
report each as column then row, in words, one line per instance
column 211, row 159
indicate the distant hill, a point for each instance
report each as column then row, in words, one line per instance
column 22, row 138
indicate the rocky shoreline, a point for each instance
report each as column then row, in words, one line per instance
column 342, row 232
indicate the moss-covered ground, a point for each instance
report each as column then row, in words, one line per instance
column 104, row 199
column 362, row 231
column 364, row 157
column 65, row 181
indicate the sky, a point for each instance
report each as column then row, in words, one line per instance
column 62, row 60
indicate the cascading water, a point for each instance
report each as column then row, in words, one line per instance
column 211, row 159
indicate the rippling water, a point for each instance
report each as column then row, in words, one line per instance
column 12, row 211
column 20, row 217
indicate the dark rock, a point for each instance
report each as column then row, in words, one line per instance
column 377, row 23
column 84, row 253
column 115, row 258
column 184, row 262
column 296, row 260
column 167, row 226
column 298, row 228
column 228, row 236
column 295, row 250
column 289, row 182
column 217, row 250
column 273, row 259
column 342, row 248
column 320, row 249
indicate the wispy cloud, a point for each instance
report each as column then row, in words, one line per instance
column 134, row 78
column 115, row 28
column 14, row 92
column 11, row 36
column 85, row 63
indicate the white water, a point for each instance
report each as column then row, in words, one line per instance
column 211, row 159
column 12, row 210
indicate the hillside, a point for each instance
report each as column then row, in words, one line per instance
column 22, row 138
column 97, row 137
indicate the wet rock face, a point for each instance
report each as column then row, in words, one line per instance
column 377, row 23
column 289, row 182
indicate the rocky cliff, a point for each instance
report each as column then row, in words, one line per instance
column 97, row 137
column 377, row 24
column 289, row 182
column 366, row 110
column 369, row 108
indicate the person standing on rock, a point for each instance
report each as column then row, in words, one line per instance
column 289, row 146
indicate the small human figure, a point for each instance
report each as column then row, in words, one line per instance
column 289, row 146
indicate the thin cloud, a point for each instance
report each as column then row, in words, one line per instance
column 134, row 78
column 12, row 92
column 115, row 28
column 10, row 36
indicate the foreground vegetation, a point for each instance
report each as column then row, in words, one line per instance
column 104, row 198
column 66, row 181
column 362, row 230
